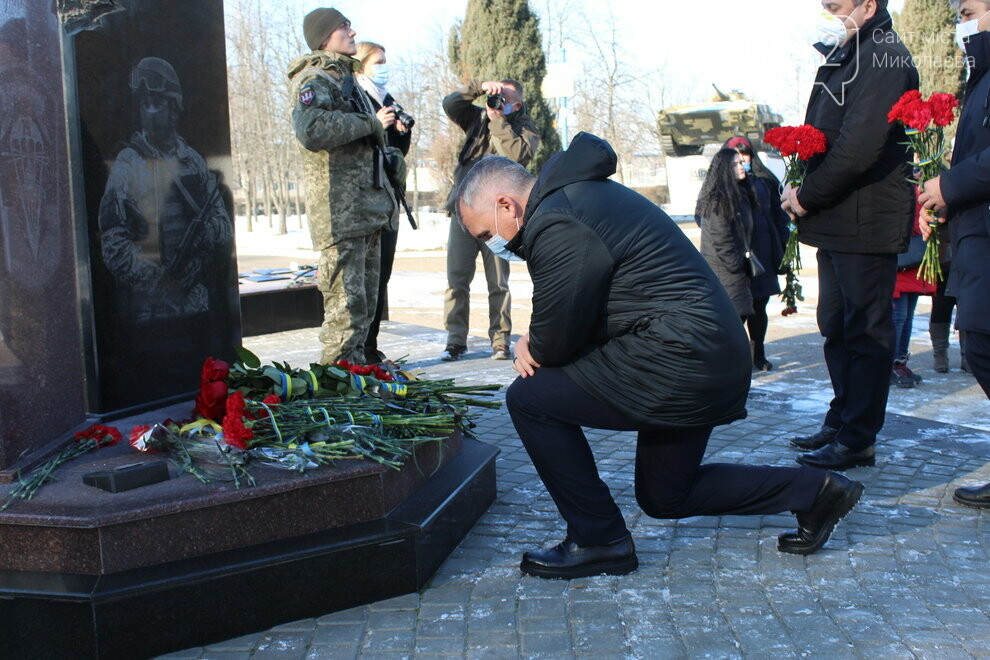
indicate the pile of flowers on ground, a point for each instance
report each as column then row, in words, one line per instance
column 296, row 419
column 924, row 122
column 797, row 145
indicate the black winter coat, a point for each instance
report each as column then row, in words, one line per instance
column 723, row 247
column 966, row 189
column 622, row 300
column 856, row 193
column 771, row 228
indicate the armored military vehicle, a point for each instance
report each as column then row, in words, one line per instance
column 686, row 129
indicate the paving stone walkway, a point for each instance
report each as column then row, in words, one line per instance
column 904, row 576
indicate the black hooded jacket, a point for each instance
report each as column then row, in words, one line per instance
column 623, row 301
column 856, row 193
column 966, row 189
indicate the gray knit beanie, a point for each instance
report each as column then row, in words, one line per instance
column 319, row 24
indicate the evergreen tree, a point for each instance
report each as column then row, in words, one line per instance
column 501, row 39
column 927, row 28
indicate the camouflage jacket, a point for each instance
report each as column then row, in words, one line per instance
column 347, row 191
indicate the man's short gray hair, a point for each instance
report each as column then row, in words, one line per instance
column 488, row 173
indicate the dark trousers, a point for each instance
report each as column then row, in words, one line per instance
column 548, row 411
column 757, row 325
column 855, row 317
column 978, row 357
column 390, row 238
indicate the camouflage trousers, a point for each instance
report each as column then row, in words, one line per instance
column 348, row 279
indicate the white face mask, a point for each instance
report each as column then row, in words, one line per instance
column 966, row 30
column 831, row 29
column 497, row 244
column 379, row 75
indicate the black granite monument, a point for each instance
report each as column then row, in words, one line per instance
column 118, row 278
column 41, row 380
column 152, row 97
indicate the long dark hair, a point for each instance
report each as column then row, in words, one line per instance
column 721, row 193
column 759, row 169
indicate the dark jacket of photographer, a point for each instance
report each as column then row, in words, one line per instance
column 856, row 193
column 623, row 302
column 515, row 136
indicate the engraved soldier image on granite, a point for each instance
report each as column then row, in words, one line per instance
column 162, row 219
column 155, row 155
column 31, row 243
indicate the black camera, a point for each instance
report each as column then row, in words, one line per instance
column 495, row 101
column 401, row 115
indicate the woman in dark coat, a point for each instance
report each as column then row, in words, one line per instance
column 372, row 75
column 731, row 221
column 770, row 232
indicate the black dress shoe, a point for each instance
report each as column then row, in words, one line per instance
column 837, row 496
column 817, row 440
column 974, row 496
column 567, row 560
column 837, row 456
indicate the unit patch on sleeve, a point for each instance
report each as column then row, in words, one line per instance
column 306, row 94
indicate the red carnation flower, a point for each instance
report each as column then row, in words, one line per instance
column 943, row 108
column 105, row 436
column 235, row 433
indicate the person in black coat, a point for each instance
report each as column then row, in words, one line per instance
column 770, row 232
column 630, row 331
column 372, row 75
column 732, row 223
column 963, row 196
column 856, row 206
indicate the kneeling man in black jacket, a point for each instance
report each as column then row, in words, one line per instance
column 632, row 331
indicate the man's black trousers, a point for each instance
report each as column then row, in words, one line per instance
column 855, row 317
column 548, row 411
column 978, row 357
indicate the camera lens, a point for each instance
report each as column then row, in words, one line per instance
column 496, row 101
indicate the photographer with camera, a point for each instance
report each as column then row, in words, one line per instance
column 503, row 128
column 371, row 74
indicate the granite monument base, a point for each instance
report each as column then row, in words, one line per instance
column 87, row 573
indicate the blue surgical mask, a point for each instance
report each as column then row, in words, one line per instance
column 747, row 167
column 509, row 108
column 379, row 75
column 497, row 244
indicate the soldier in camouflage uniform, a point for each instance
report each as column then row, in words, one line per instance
column 349, row 198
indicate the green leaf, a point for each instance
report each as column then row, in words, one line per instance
column 248, row 358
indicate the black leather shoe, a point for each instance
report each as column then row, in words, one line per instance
column 837, row 496
column 567, row 560
column 974, row 496
column 837, row 456
column 817, row 440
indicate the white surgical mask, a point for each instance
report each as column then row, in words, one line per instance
column 497, row 244
column 379, row 75
column 966, row 30
column 831, row 29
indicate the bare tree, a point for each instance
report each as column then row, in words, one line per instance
column 266, row 159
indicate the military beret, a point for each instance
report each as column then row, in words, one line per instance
column 319, row 24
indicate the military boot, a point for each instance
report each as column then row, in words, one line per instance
column 939, row 333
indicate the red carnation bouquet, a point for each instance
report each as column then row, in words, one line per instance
column 797, row 145
column 924, row 123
